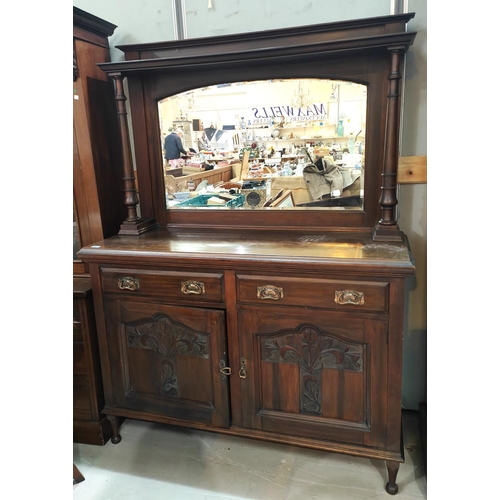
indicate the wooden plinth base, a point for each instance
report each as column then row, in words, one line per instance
column 136, row 228
column 387, row 233
column 91, row 432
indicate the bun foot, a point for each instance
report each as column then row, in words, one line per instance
column 392, row 489
column 117, row 439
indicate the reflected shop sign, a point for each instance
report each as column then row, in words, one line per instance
column 288, row 113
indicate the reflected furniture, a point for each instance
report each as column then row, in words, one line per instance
column 97, row 207
column 283, row 325
column 175, row 184
column 273, row 120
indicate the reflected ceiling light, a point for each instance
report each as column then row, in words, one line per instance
column 301, row 98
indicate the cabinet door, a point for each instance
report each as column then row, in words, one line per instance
column 315, row 374
column 166, row 360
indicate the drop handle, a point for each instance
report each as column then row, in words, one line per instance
column 270, row 292
column 224, row 370
column 349, row 297
column 128, row 283
column 243, row 368
column 193, row 287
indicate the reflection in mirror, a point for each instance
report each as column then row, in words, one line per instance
column 245, row 145
column 76, row 237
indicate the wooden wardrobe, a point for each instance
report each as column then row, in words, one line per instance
column 97, row 209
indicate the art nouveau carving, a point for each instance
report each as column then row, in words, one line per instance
column 169, row 339
column 312, row 350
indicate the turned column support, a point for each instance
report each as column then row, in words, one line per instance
column 133, row 224
column 387, row 228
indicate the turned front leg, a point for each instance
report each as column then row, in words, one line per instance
column 392, row 468
column 115, row 438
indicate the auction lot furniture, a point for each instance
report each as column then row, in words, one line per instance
column 277, row 324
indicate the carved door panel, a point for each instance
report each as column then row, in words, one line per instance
column 315, row 374
column 166, row 360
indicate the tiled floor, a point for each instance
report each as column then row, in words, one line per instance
column 156, row 461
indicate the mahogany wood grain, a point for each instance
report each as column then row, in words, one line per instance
column 305, row 252
column 313, row 292
column 149, row 344
column 358, row 407
column 316, row 444
column 395, row 349
column 348, row 51
column 233, row 346
column 166, row 284
column 312, row 368
column 77, row 475
column 89, row 425
column 315, row 342
column 392, row 468
column 388, row 199
column 97, row 174
column 97, row 188
column 100, row 319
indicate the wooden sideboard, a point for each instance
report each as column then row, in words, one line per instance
column 280, row 324
column 293, row 338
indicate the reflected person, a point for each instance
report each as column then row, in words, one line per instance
column 173, row 148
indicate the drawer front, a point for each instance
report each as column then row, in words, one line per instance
column 331, row 294
column 195, row 287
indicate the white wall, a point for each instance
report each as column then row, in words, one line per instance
column 152, row 21
column 413, row 211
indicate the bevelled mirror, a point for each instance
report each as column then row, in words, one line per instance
column 295, row 143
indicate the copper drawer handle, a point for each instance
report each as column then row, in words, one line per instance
column 196, row 287
column 270, row 292
column 349, row 297
column 128, row 283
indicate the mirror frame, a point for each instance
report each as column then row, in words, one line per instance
column 367, row 51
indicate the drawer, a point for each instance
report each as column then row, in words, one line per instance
column 308, row 292
column 168, row 284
